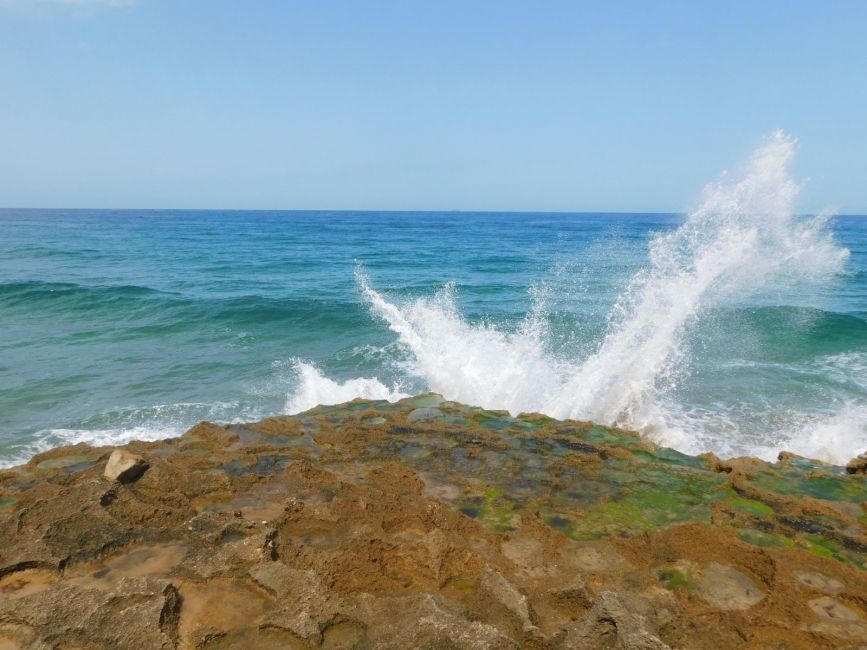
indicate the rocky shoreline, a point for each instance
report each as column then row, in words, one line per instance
column 428, row 524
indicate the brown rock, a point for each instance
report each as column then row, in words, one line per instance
column 857, row 465
column 138, row 613
column 359, row 532
column 425, row 621
column 499, row 591
column 306, row 606
column 124, row 467
column 615, row 621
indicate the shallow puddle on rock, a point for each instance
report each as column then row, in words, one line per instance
column 819, row 581
column 829, row 609
column 25, row 583
column 264, row 506
column 139, row 562
column 261, row 465
column 726, row 588
column 61, row 462
column 596, row 558
column 414, row 452
column 424, row 414
column 440, row 491
column 220, row 606
column 525, row 552
column 342, row 636
column 256, row 639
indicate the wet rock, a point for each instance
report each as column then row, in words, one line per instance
column 832, row 610
column 837, row 620
column 857, row 465
column 819, row 582
column 726, row 588
column 219, row 607
column 241, row 549
column 124, row 467
column 424, row 414
column 597, row 558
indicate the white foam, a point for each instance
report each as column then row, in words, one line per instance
column 743, row 239
column 833, row 439
column 51, row 438
column 123, row 425
column 315, row 388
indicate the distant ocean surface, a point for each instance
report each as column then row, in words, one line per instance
column 707, row 333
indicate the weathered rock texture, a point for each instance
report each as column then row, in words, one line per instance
column 428, row 524
column 124, row 467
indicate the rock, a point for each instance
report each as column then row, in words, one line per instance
column 138, row 613
column 425, row 621
column 615, row 621
column 305, row 605
column 497, row 536
column 574, row 594
column 211, row 561
column 124, row 466
column 857, row 465
column 494, row 587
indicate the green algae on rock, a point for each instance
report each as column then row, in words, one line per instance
column 482, row 529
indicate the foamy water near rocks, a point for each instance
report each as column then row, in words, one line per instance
column 427, row 524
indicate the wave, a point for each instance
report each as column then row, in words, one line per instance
column 780, row 333
column 130, row 305
column 743, row 241
column 15, row 293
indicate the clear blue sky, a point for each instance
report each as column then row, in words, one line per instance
column 468, row 105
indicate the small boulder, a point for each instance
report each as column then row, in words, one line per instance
column 124, row 467
column 857, row 465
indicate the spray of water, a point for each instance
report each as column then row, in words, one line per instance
column 743, row 237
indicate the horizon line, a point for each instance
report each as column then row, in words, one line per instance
column 389, row 211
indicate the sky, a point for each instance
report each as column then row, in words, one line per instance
column 438, row 105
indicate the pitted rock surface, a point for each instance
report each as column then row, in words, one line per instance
column 428, row 524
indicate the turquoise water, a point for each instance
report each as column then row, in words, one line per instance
column 121, row 324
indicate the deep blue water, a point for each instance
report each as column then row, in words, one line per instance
column 119, row 324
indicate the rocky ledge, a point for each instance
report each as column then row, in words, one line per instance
column 427, row 524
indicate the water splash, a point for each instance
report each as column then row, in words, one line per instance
column 743, row 239
column 315, row 388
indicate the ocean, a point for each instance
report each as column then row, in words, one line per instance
column 738, row 328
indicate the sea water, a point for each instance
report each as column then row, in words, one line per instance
column 738, row 328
